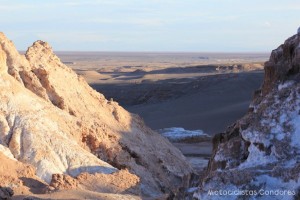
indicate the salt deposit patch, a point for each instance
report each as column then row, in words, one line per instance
column 178, row 134
column 285, row 85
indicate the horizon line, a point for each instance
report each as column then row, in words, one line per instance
column 109, row 51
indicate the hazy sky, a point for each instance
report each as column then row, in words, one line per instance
column 151, row 25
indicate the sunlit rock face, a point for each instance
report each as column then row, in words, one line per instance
column 53, row 120
column 261, row 151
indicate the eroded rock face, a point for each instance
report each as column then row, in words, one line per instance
column 118, row 182
column 63, row 182
column 3, row 67
column 51, row 118
column 261, row 151
column 284, row 62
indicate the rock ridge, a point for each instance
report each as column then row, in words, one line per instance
column 52, row 119
column 261, row 150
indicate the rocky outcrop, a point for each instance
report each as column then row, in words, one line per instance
column 284, row 62
column 119, row 182
column 63, row 182
column 51, row 119
column 6, row 193
column 18, row 178
column 258, row 156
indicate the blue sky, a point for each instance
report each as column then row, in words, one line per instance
column 151, row 25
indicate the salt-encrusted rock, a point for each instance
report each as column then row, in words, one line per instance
column 52, row 119
column 42, row 135
column 261, row 151
column 284, row 62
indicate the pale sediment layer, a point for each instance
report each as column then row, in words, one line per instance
column 51, row 119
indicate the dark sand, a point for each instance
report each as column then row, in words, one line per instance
column 204, row 91
column 210, row 103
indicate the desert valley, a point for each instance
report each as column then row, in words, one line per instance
column 188, row 97
column 198, row 123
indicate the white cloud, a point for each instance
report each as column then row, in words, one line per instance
column 267, row 24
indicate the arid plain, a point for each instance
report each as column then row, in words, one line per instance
column 192, row 91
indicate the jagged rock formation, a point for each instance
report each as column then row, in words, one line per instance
column 51, row 119
column 261, row 151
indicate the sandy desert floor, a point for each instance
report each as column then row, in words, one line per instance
column 195, row 91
